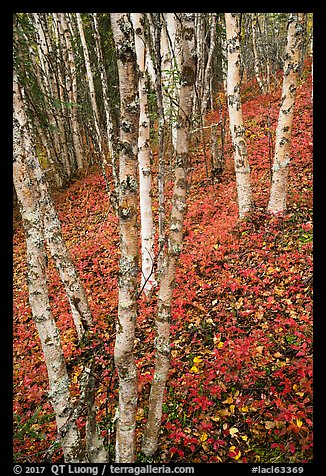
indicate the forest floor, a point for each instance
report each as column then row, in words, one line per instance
column 240, row 382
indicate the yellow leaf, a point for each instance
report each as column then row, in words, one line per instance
column 244, row 409
column 233, row 450
column 197, row 360
column 299, row 423
column 220, row 345
column 194, row 369
column 244, row 437
column 295, row 386
column 233, row 431
column 228, row 400
column 238, row 455
column 301, row 394
column 232, row 407
column 203, row 437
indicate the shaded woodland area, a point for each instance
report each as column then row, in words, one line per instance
column 163, row 237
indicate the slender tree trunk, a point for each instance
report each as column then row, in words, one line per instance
column 72, row 89
column 47, row 88
column 67, row 271
column 109, row 123
column 30, row 205
column 255, row 52
column 128, row 203
column 209, row 64
column 90, row 82
column 278, row 196
column 171, row 71
column 178, row 211
column 161, row 138
column 59, row 86
column 242, row 169
column 145, row 176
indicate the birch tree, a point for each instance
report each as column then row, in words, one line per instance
column 144, row 163
column 278, row 196
column 108, row 118
column 207, row 88
column 242, row 168
column 162, row 341
column 128, row 203
column 257, row 65
column 30, row 204
column 155, row 26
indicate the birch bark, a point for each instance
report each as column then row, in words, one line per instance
column 278, row 196
column 144, row 163
column 242, row 168
column 257, row 67
column 128, row 203
column 162, row 341
column 156, row 35
column 209, row 64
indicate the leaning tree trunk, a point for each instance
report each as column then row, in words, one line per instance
column 69, row 276
column 30, row 206
column 242, row 169
column 280, row 169
column 128, row 202
column 144, row 163
column 178, row 211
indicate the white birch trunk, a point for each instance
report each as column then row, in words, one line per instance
column 90, row 83
column 171, row 51
column 278, row 196
column 30, row 203
column 209, row 64
column 162, row 341
column 145, row 176
column 255, row 52
column 161, row 139
column 59, row 89
column 128, row 204
column 109, row 122
column 242, row 168
column 52, row 231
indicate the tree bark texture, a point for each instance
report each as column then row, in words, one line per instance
column 162, row 341
column 144, row 162
column 242, row 168
column 278, row 196
column 128, row 202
